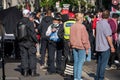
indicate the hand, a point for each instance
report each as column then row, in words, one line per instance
column 87, row 51
column 36, row 30
column 112, row 49
column 69, row 44
column 36, row 44
column 54, row 29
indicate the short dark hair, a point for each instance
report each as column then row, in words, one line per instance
column 105, row 14
column 115, row 15
column 49, row 12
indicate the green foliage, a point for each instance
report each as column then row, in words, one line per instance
column 90, row 5
column 75, row 2
column 71, row 2
column 50, row 3
column 83, row 3
column 47, row 3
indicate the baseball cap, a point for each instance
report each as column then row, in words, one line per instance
column 71, row 15
column 26, row 12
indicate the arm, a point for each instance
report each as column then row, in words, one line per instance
column 61, row 32
column 32, row 33
column 109, row 39
column 72, row 33
column 49, row 31
column 108, row 34
column 85, row 39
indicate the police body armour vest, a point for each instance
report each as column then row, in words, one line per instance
column 21, row 30
column 67, row 26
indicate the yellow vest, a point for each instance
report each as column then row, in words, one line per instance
column 67, row 26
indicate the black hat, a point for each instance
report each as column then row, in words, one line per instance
column 32, row 15
column 57, row 18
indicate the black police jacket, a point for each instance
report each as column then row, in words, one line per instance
column 31, row 39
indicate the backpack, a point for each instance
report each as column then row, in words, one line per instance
column 21, row 30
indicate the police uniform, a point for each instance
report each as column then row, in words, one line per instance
column 28, row 49
column 67, row 51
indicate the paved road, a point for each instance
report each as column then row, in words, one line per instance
column 90, row 69
column 12, row 72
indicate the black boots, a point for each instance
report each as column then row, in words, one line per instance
column 29, row 72
column 24, row 72
column 33, row 73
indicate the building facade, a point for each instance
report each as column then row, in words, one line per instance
column 9, row 3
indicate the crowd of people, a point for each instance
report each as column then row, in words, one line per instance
column 59, row 35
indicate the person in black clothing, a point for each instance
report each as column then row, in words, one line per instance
column 2, row 32
column 27, row 47
column 90, row 33
column 46, row 21
column 118, row 47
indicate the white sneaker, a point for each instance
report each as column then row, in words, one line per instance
column 113, row 67
column 117, row 62
column 41, row 67
column 108, row 68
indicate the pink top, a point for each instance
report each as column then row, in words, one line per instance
column 79, row 37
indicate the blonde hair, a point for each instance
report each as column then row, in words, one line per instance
column 79, row 16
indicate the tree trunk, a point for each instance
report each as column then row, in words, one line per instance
column 1, row 7
column 79, row 5
column 4, row 4
column 37, row 6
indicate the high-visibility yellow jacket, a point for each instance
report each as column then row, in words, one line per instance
column 67, row 26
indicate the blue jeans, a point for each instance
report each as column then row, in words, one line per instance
column 79, row 59
column 103, row 58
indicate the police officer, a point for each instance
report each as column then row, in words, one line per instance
column 67, row 25
column 55, row 45
column 28, row 47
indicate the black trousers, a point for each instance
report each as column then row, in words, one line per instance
column 54, row 47
column 113, row 55
column 44, row 46
column 118, row 52
column 28, row 57
column 0, row 51
column 66, row 53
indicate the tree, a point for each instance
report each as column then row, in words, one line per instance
column 81, row 4
column 71, row 2
column 75, row 3
column 47, row 3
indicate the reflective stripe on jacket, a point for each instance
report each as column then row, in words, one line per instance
column 67, row 26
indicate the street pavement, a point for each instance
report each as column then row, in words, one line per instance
column 12, row 72
column 90, row 70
